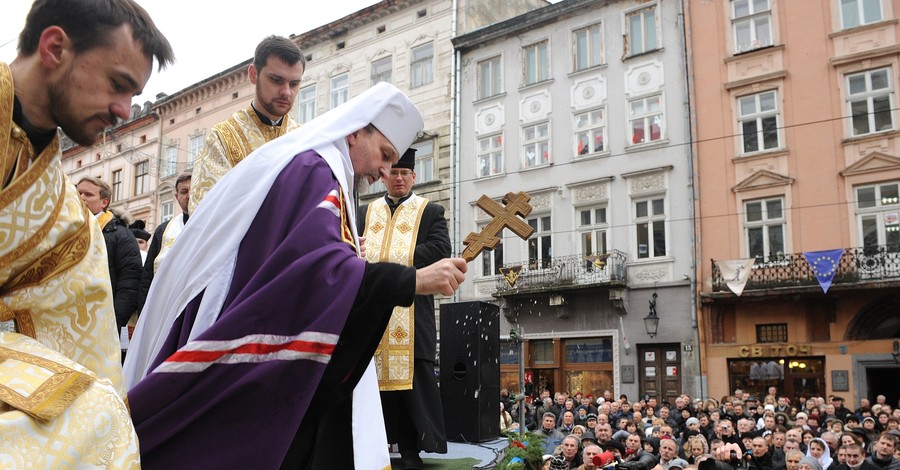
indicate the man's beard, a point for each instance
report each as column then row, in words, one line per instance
column 62, row 115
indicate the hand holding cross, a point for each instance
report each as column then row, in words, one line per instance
column 516, row 204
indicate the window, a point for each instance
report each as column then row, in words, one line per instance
column 878, row 213
column 421, row 65
column 307, row 104
column 764, row 225
column 590, row 129
column 642, row 31
column 646, row 119
column 752, row 22
column 859, row 12
column 489, row 77
column 424, row 161
column 540, row 251
column 381, row 70
column 592, row 227
column 536, row 144
column 759, row 121
column 650, row 226
column 141, row 177
column 491, row 261
column 169, row 164
column 340, row 89
column 490, row 155
column 377, row 187
column 869, row 96
column 166, row 211
column 117, row 185
column 196, row 145
column 588, row 47
column 772, row 333
column 537, row 62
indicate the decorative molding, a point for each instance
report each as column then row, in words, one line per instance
column 535, row 107
column 540, row 201
column 490, row 119
column 873, row 163
column 588, row 92
column 592, row 192
column 762, row 179
column 649, row 273
column 779, row 75
column 647, row 183
column 642, row 79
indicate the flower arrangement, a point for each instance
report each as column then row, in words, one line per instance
column 523, row 454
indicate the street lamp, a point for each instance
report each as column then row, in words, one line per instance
column 651, row 321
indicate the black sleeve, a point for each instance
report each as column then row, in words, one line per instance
column 436, row 244
column 147, row 273
column 361, row 219
column 128, row 275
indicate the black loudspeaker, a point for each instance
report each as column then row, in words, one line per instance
column 470, row 370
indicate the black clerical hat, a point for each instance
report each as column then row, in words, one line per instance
column 408, row 160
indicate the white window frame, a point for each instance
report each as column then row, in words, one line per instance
column 116, row 185
column 536, row 145
column 540, row 242
column 380, row 73
column 536, row 62
column 595, row 227
column 141, row 177
column 647, row 224
column 421, row 65
column 340, row 89
column 589, row 125
column 876, row 102
column 169, row 162
column 490, row 77
column 766, row 223
column 858, row 10
column 489, row 156
column 883, row 210
column 587, row 52
column 166, row 211
column 645, row 117
column 755, row 20
column 425, row 161
column 491, row 260
column 195, row 146
column 648, row 33
column 306, row 104
column 759, row 110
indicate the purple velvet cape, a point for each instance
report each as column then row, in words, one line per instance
column 295, row 272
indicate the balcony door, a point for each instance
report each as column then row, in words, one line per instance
column 660, row 371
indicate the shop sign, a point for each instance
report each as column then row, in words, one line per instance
column 768, row 350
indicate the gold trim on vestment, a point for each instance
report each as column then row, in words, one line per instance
column 104, row 218
column 31, row 242
column 393, row 239
column 50, row 398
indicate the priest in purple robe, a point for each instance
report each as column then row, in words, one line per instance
column 254, row 348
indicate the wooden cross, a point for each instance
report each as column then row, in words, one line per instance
column 508, row 216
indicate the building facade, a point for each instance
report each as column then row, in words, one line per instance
column 582, row 105
column 797, row 153
column 123, row 157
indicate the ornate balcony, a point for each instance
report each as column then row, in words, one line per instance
column 563, row 272
column 857, row 265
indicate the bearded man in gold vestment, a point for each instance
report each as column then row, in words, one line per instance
column 276, row 71
column 62, row 393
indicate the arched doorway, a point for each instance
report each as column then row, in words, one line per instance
column 878, row 320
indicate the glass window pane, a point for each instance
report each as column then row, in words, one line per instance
column 767, row 101
column 872, row 10
column 635, row 34
column 586, row 217
column 856, row 84
column 882, row 111
column 776, row 239
column 659, row 238
column 773, row 209
column 640, row 209
column 600, row 216
column 870, row 231
column 588, row 350
column 889, row 194
column 865, row 197
column 751, row 139
column 880, row 80
column 763, row 32
column 770, row 132
column 643, row 240
column 760, row 5
column 741, row 8
column 755, row 243
column 658, row 207
column 747, row 105
column 754, row 211
column 587, row 242
column 545, row 224
column 650, row 27
column 542, row 351
column 588, row 381
column 849, row 13
column 859, row 111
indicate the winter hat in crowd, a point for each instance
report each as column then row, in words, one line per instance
column 677, row 463
column 559, row 463
column 808, row 461
column 692, row 420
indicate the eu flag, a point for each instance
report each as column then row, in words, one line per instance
column 824, row 265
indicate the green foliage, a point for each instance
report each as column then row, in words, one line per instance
column 524, row 454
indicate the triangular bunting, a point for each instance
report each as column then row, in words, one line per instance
column 599, row 261
column 824, row 265
column 735, row 273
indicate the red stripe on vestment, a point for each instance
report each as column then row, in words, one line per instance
column 252, row 348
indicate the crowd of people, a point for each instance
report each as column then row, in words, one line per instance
column 772, row 432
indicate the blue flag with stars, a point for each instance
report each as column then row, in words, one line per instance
column 824, row 265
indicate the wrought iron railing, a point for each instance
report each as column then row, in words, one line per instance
column 561, row 271
column 878, row 263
